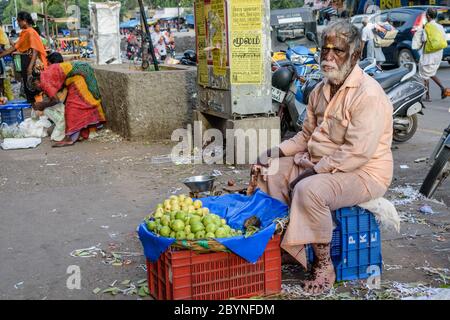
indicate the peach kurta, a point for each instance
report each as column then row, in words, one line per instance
column 348, row 138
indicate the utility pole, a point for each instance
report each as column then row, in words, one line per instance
column 46, row 21
column 148, row 37
column 178, row 19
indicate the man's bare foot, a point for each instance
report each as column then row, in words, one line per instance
column 322, row 273
column 322, row 279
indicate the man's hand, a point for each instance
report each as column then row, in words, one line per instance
column 305, row 174
column 306, row 164
column 263, row 159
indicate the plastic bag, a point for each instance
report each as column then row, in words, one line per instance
column 33, row 128
column 20, row 143
column 10, row 131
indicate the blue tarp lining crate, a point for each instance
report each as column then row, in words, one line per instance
column 355, row 245
column 12, row 112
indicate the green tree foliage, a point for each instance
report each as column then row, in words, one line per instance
column 56, row 8
column 171, row 3
column 285, row 4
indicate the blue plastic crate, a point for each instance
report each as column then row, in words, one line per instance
column 355, row 245
column 12, row 112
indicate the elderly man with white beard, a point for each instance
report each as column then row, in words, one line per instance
column 341, row 158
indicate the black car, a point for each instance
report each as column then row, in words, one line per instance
column 406, row 20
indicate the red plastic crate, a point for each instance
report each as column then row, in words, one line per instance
column 187, row 275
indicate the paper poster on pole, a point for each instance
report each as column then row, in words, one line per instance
column 246, row 42
column 202, row 67
column 218, row 37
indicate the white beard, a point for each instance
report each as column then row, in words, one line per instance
column 338, row 76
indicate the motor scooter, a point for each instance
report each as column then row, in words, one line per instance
column 401, row 86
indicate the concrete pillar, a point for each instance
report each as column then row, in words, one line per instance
column 247, row 138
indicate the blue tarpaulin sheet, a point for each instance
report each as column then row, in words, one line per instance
column 190, row 19
column 129, row 24
column 235, row 208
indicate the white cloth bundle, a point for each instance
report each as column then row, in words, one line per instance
column 384, row 212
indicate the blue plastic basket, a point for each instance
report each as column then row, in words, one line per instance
column 12, row 112
column 355, row 245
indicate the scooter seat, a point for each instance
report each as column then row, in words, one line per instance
column 389, row 78
column 364, row 63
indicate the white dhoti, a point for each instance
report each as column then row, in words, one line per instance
column 429, row 64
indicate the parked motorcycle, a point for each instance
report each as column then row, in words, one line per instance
column 303, row 58
column 440, row 169
column 290, row 93
column 405, row 93
column 401, row 86
column 189, row 58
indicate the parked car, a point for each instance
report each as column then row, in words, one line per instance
column 407, row 20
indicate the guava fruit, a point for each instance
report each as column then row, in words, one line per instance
column 177, row 225
column 165, row 231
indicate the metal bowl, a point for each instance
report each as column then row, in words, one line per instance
column 200, row 183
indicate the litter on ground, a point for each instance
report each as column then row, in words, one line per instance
column 426, row 209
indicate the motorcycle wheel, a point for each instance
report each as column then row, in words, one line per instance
column 403, row 136
column 437, row 174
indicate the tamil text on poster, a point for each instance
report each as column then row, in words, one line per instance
column 246, row 42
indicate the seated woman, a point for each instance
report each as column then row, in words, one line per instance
column 83, row 110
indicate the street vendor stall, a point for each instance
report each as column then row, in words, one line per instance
column 68, row 46
column 228, row 246
column 219, row 247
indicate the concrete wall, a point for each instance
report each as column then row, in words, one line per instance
column 146, row 105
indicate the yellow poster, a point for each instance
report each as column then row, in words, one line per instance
column 202, row 68
column 217, row 37
column 246, row 42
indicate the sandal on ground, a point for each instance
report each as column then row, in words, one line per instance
column 62, row 144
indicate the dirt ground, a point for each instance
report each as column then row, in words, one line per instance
column 55, row 201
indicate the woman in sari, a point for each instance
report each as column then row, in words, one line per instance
column 33, row 55
column 83, row 110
